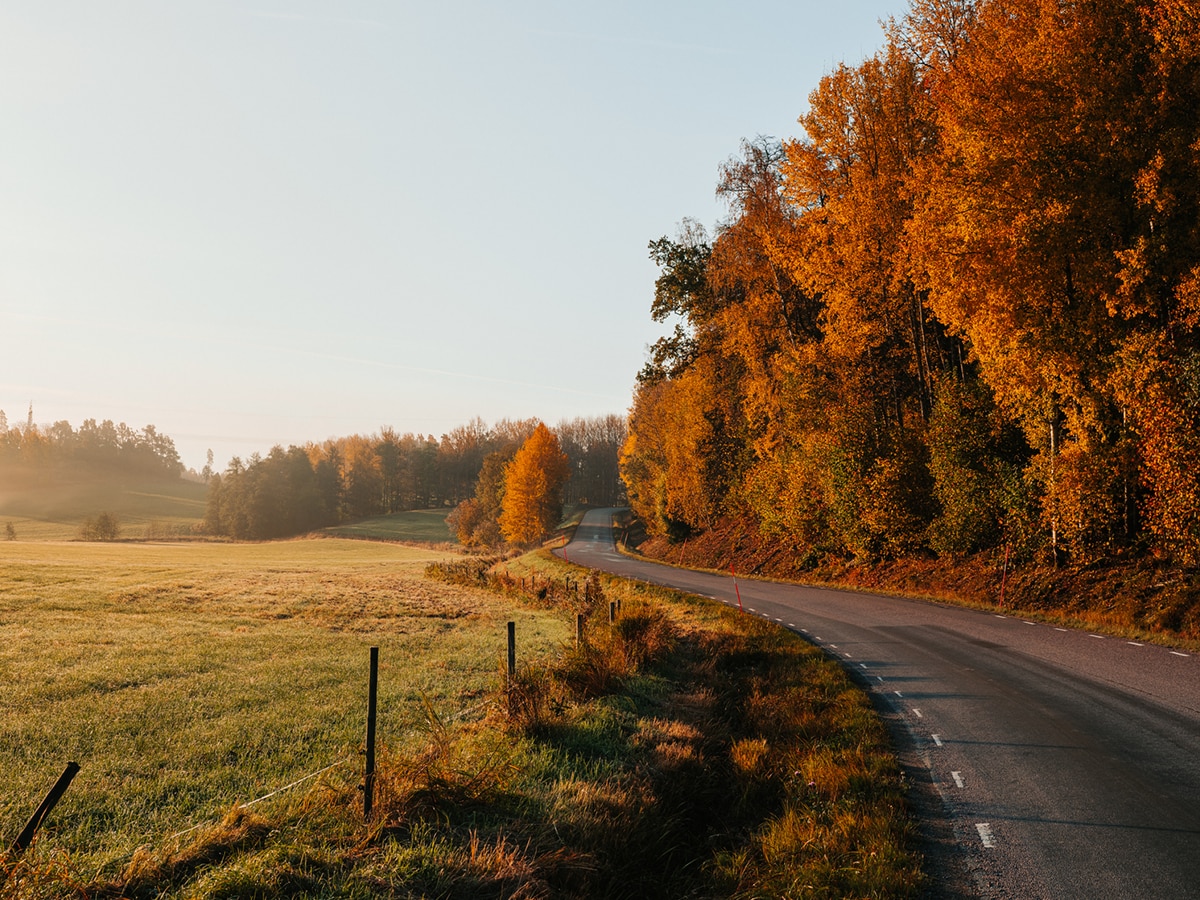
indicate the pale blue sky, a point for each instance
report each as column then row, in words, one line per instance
column 260, row 222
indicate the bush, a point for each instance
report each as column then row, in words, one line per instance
column 103, row 527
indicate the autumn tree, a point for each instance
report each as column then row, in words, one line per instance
column 533, row 482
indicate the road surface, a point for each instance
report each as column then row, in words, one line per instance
column 1064, row 764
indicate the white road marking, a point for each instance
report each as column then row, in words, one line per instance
column 1177, row 653
column 958, row 781
column 805, row 630
column 1029, row 623
column 880, row 679
column 1001, row 617
column 751, row 608
column 1098, row 637
column 897, row 693
column 1134, row 644
column 847, row 655
column 864, row 665
column 917, row 712
column 793, row 625
column 937, row 740
column 985, row 834
column 1063, row 630
column 779, row 620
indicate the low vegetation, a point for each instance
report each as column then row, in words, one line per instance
column 682, row 750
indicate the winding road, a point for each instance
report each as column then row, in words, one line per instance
column 1062, row 764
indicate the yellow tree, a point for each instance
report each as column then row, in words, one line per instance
column 533, row 486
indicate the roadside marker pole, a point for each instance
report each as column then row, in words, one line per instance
column 736, row 590
column 512, row 651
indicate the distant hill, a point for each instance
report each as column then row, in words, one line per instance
column 53, row 505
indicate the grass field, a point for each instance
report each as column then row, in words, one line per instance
column 185, row 678
column 683, row 750
column 55, row 511
column 421, row 525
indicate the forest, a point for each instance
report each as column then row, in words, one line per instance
column 29, row 453
column 960, row 311
column 298, row 489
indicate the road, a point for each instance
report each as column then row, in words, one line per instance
column 1065, row 764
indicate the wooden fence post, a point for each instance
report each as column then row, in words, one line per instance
column 578, row 629
column 60, row 787
column 372, row 696
column 512, row 651
column 612, row 611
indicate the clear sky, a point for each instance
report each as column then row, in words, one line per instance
column 261, row 222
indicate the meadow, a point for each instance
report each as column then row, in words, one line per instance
column 682, row 750
column 55, row 510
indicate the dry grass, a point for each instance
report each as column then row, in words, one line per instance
column 682, row 751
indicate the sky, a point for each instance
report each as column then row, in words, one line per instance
column 265, row 222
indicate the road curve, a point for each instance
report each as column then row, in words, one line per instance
column 1067, row 763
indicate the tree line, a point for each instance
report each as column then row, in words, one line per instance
column 301, row 488
column 960, row 312
column 34, row 452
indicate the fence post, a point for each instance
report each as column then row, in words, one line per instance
column 369, row 776
column 512, row 651
column 612, row 611
column 43, row 810
column 578, row 629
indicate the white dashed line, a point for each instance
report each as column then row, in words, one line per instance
column 1177, row 653
column 958, row 781
column 1001, row 617
column 1030, row 623
column 880, row 679
column 752, row 609
column 848, row 656
column 937, row 740
column 793, row 625
column 985, row 834
column 864, row 665
column 1098, row 637
column 897, row 693
column 805, row 630
column 1063, row 630
column 1134, row 644
column 917, row 713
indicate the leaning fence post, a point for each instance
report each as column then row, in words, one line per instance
column 43, row 810
column 512, row 651
column 369, row 776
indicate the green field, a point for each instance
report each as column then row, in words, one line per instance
column 55, row 511
column 419, row 525
column 185, row 678
column 682, row 750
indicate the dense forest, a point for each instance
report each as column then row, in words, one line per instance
column 960, row 312
column 294, row 490
column 29, row 453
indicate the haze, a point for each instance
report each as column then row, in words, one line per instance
column 260, row 223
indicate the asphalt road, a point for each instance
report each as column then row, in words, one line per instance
column 1064, row 764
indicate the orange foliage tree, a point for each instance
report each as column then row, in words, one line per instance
column 533, row 483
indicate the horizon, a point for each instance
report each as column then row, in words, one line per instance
column 273, row 224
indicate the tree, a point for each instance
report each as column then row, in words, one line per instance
column 533, row 484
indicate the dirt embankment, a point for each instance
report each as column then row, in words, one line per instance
column 1136, row 597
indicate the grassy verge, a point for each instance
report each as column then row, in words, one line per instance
column 682, row 750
